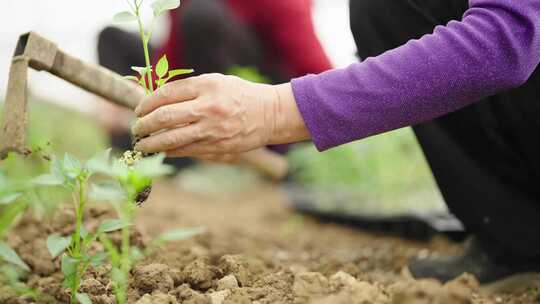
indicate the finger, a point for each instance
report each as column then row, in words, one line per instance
column 166, row 117
column 173, row 92
column 200, row 148
column 170, row 139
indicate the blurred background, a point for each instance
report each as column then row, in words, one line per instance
column 383, row 175
column 75, row 24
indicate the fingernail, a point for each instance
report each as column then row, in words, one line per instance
column 135, row 128
column 138, row 111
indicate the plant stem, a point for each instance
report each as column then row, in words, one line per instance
column 145, row 40
column 125, row 254
column 79, row 212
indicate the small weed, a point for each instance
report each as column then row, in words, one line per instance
column 71, row 174
column 129, row 180
column 11, row 206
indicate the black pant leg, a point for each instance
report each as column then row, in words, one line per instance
column 483, row 157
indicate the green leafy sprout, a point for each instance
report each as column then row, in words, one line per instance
column 145, row 74
column 71, row 174
column 11, row 206
column 145, row 79
column 128, row 180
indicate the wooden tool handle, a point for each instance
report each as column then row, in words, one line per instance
column 270, row 163
column 117, row 89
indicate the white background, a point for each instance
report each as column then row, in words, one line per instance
column 74, row 25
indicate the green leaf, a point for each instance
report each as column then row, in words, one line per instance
column 160, row 82
column 142, row 82
column 83, row 232
column 48, row 180
column 124, row 17
column 9, row 214
column 143, row 71
column 87, row 237
column 162, row 67
column 83, row 298
column 98, row 258
column 56, row 169
column 69, row 265
column 153, row 166
column 177, row 72
column 9, row 255
column 107, row 192
column 112, row 251
column 9, row 198
column 3, row 181
column 111, row 225
column 100, row 163
column 118, row 276
column 160, row 6
column 11, row 272
column 57, row 244
column 134, row 78
column 180, row 234
column 136, row 254
column 71, row 163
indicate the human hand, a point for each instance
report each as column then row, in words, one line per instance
column 216, row 116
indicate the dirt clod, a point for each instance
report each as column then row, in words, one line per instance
column 37, row 256
column 153, row 277
column 310, row 285
column 187, row 295
column 157, row 298
column 242, row 268
column 92, row 286
column 199, row 274
column 427, row 291
column 227, row 282
column 219, row 297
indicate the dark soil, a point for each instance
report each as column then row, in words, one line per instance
column 256, row 251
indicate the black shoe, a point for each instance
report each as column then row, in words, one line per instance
column 486, row 261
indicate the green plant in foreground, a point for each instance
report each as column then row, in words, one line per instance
column 10, row 283
column 71, row 174
column 146, row 80
column 11, row 206
column 16, row 198
column 128, row 180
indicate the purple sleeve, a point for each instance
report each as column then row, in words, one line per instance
column 495, row 47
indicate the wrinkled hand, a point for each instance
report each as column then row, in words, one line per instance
column 216, row 116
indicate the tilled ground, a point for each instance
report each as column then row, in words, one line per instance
column 257, row 251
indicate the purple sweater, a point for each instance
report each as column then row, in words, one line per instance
column 495, row 47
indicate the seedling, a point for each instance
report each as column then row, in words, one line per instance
column 71, row 174
column 11, row 206
column 130, row 178
column 145, row 79
column 15, row 199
